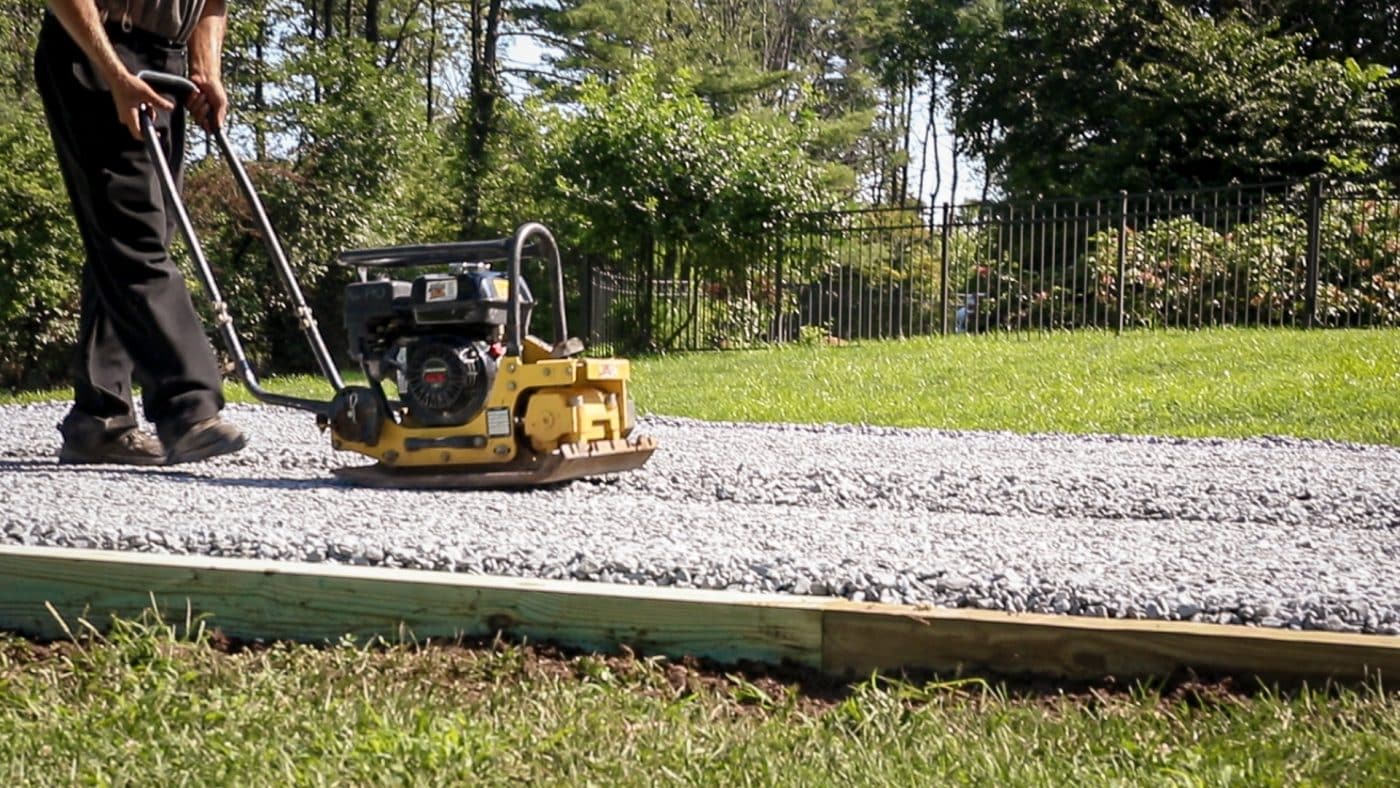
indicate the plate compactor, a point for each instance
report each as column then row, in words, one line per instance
column 481, row 403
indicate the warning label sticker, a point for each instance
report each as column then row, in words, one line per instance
column 441, row 290
column 498, row 422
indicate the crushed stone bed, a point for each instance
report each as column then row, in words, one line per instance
column 1271, row 532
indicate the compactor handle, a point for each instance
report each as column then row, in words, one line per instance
column 177, row 86
column 537, row 236
column 182, row 88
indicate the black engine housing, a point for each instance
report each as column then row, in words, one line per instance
column 439, row 335
column 445, row 379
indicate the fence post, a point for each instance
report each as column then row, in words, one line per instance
column 779, row 321
column 587, row 275
column 1122, row 256
column 943, row 271
column 1314, row 250
column 646, row 296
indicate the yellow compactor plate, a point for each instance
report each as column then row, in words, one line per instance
column 569, row 462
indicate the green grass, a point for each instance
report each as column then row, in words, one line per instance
column 1343, row 385
column 144, row 707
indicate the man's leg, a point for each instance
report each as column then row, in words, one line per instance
column 101, row 426
column 186, row 438
column 102, row 370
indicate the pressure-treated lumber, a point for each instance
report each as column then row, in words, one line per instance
column 321, row 602
column 976, row 641
column 269, row 600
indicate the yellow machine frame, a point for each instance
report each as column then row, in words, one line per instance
column 558, row 402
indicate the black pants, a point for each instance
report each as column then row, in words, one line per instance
column 137, row 317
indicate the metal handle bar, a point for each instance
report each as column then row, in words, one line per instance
column 168, row 83
column 538, row 236
column 409, row 256
column 529, row 239
column 222, row 319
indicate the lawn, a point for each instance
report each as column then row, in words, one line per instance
column 144, row 707
column 1341, row 385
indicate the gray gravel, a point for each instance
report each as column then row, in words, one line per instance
column 1270, row 532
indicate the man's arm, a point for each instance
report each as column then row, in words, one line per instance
column 210, row 105
column 84, row 25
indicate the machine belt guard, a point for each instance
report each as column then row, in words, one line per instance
column 568, row 462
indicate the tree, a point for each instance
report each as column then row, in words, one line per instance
column 1367, row 31
column 646, row 161
column 1225, row 101
column 1092, row 96
column 645, row 173
column 40, row 253
column 486, row 91
column 18, row 30
column 774, row 57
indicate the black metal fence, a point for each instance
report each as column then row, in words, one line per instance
column 1312, row 254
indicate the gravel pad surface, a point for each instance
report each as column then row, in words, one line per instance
column 1273, row 532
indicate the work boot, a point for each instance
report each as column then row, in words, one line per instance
column 204, row 439
column 127, row 447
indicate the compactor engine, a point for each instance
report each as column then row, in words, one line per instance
column 440, row 338
column 480, row 400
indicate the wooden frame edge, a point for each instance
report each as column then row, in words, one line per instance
column 271, row 600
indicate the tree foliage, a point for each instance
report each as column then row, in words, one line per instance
column 39, row 250
column 1092, row 96
column 647, row 160
column 699, row 127
column 823, row 58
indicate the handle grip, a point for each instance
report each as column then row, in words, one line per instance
column 180, row 87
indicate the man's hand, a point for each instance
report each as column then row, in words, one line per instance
column 210, row 105
column 129, row 94
column 84, row 25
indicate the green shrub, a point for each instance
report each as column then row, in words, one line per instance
column 1180, row 273
column 1359, row 261
column 41, row 253
column 645, row 162
column 1176, row 273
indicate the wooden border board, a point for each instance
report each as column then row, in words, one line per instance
column 268, row 600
